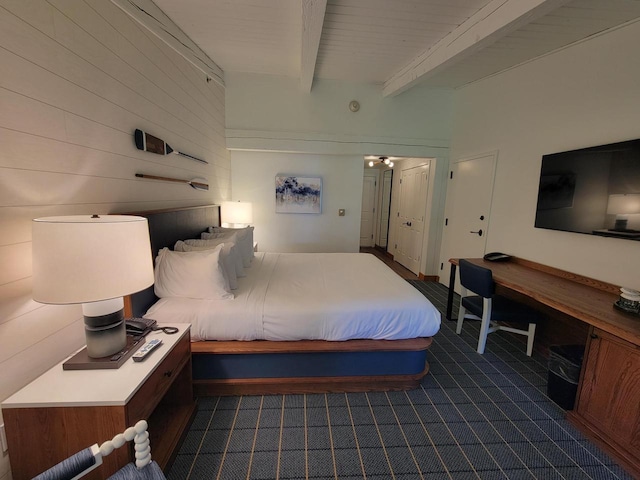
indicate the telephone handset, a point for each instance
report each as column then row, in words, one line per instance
column 497, row 257
column 139, row 326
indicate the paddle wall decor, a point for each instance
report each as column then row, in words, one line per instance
column 197, row 183
column 149, row 143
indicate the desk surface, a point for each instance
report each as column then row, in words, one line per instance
column 582, row 298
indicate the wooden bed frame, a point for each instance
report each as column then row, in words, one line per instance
column 268, row 367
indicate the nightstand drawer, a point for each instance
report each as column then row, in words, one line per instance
column 147, row 398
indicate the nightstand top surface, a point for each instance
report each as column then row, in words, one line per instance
column 75, row 388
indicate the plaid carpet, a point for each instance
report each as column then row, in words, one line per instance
column 474, row 416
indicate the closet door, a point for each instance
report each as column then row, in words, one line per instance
column 414, row 189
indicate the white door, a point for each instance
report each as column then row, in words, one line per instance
column 414, row 186
column 368, row 211
column 469, row 195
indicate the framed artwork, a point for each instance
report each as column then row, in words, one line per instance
column 298, row 194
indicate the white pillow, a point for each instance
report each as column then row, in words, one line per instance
column 236, row 254
column 242, row 231
column 190, row 275
column 227, row 257
column 245, row 240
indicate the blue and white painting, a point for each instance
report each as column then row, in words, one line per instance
column 298, row 194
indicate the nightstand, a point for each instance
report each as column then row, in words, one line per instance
column 64, row 411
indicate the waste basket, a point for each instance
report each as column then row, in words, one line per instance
column 565, row 362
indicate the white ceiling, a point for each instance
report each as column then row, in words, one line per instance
column 395, row 43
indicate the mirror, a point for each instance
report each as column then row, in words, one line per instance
column 385, row 208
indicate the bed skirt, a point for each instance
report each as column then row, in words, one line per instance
column 309, row 366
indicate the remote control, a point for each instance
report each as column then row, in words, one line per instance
column 146, row 350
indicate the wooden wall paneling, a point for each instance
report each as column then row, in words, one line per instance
column 178, row 67
column 16, row 261
column 40, row 13
column 81, row 71
column 15, row 299
column 16, row 222
column 84, row 45
column 154, row 19
column 80, row 77
column 14, row 227
column 19, row 370
column 36, row 325
column 55, row 91
column 13, row 27
column 24, row 114
column 184, row 66
column 128, row 38
column 113, row 36
column 28, row 151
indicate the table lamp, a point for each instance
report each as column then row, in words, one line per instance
column 236, row 214
column 621, row 205
column 92, row 260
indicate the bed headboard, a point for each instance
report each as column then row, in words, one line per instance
column 166, row 227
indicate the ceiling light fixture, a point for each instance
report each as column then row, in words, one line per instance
column 384, row 160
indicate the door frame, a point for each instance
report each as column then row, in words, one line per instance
column 375, row 173
column 408, row 170
column 435, row 199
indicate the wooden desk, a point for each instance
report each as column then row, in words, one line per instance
column 588, row 300
column 606, row 408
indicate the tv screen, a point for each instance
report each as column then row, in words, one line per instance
column 594, row 190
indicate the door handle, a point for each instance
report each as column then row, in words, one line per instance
column 408, row 224
column 479, row 232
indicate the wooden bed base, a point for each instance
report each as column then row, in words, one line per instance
column 408, row 368
column 267, row 367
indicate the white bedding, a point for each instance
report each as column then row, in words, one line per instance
column 309, row 296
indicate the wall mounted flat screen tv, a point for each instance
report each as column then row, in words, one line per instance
column 594, row 190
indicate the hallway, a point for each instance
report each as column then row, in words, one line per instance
column 395, row 266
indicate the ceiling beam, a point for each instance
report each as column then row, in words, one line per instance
column 312, row 20
column 492, row 22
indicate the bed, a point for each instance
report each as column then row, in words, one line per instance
column 297, row 322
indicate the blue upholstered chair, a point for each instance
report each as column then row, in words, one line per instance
column 81, row 463
column 491, row 309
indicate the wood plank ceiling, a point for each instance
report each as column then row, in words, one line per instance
column 394, row 43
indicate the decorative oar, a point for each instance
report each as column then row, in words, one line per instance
column 194, row 183
column 149, row 143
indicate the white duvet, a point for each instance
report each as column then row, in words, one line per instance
column 309, row 296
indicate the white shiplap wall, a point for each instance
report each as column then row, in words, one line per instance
column 77, row 77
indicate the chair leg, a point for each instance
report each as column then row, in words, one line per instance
column 461, row 311
column 530, row 337
column 484, row 325
column 461, row 315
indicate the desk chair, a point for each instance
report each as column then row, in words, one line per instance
column 491, row 308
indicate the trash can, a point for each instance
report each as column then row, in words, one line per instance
column 565, row 362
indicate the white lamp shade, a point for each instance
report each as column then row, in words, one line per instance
column 624, row 204
column 80, row 259
column 237, row 212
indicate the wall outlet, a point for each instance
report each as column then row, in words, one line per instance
column 3, row 439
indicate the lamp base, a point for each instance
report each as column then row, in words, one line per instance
column 82, row 360
column 104, row 327
column 621, row 223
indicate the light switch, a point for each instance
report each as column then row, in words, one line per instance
column 341, row 212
